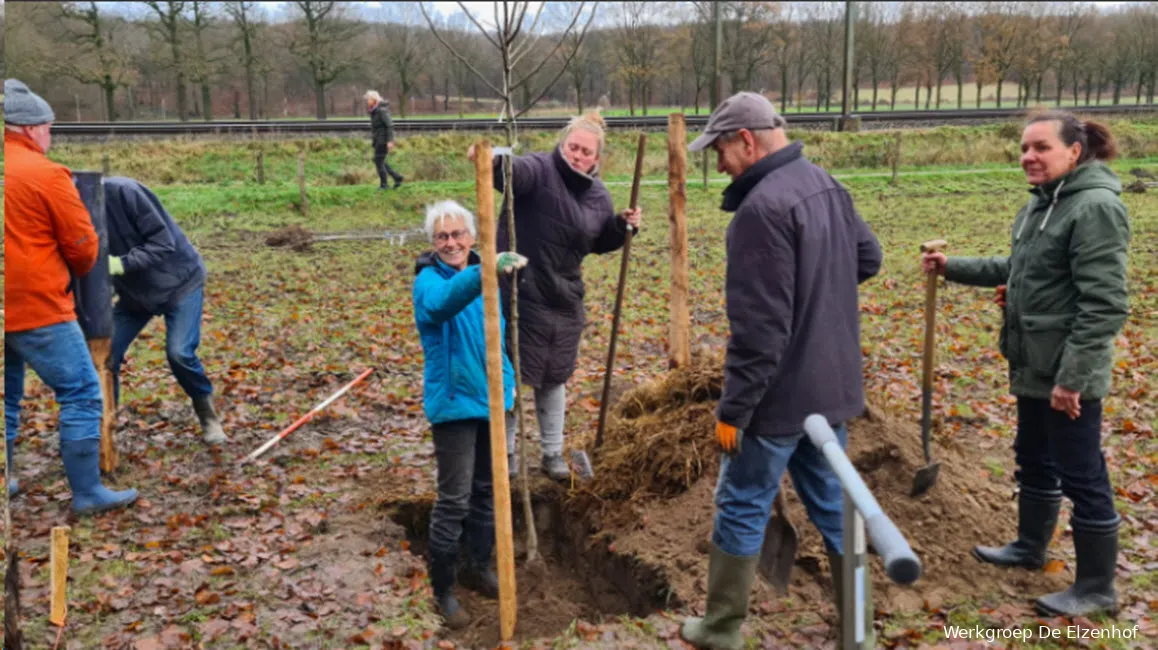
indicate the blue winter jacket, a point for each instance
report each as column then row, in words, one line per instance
column 448, row 308
column 161, row 266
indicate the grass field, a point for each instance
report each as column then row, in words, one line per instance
column 294, row 550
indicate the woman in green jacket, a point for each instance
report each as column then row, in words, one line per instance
column 1065, row 301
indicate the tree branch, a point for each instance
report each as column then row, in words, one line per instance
column 470, row 16
column 526, row 78
column 458, row 56
column 563, row 69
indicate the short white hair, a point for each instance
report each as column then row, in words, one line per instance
column 441, row 211
column 373, row 95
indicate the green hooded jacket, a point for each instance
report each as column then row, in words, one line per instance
column 1066, row 296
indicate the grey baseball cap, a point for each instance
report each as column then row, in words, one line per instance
column 24, row 107
column 744, row 110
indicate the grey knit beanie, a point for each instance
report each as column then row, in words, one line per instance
column 24, row 107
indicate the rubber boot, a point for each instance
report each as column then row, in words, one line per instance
column 1036, row 519
column 211, row 431
column 556, row 468
column 82, row 466
column 13, row 484
column 477, row 574
column 513, row 465
column 442, row 580
column 729, row 584
column 1096, row 547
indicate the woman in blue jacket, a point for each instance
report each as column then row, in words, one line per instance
column 448, row 309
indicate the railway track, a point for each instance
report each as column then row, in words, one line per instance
column 346, row 126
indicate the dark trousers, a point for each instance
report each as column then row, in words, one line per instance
column 1051, row 449
column 383, row 167
column 465, row 504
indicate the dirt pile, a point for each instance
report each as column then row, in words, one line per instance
column 295, row 237
column 655, row 475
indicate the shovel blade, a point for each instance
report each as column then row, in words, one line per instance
column 926, row 478
column 581, row 464
column 778, row 553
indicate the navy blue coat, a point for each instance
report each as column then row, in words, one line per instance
column 161, row 266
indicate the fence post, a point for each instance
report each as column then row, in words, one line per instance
column 303, row 201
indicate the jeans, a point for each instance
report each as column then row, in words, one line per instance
column 465, row 503
column 383, row 167
column 1051, row 449
column 749, row 482
column 182, row 336
column 59, row 355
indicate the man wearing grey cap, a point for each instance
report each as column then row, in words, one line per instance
column 48, row 237
column 796, row 250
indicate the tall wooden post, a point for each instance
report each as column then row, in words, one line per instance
column 59, row 575
column 504, row 536
column 677, row 166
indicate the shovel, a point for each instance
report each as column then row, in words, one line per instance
column 603, row 403
column 927, row 476
column 778, row 553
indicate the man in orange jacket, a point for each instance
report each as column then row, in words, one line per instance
column 48, row 236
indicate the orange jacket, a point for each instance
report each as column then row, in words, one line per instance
column 47, row 233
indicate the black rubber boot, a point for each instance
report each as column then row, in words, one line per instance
column 1036, row 519
column 1096, row 547
column 442, row 580
column 729, row 584
column 477, row 574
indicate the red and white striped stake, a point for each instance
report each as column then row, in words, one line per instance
column 307, row 417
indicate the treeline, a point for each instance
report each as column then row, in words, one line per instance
column 207, row 60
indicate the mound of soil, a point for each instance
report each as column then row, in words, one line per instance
column 295, row 237
column 656, row 473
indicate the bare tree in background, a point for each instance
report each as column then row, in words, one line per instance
column 324, row 45
column 204, row 62
column 402, row 51
column 513, row 37
column 636, row 45
column 784, row 33
column 171, row 16
column 97, row 60
column 999, row 44
column 245, row 18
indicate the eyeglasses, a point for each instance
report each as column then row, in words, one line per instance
column 457, row 235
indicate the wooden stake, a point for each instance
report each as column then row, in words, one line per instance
column 59, row 574
column 106, row 166
column 260, row 167
column 896, row 157
column 101, row 350
column 303, row 201
column 504, row 536
column 677, row 196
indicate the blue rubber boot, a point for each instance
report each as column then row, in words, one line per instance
column 13, row 484
column 82, row 465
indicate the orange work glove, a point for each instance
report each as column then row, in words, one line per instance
column 729, row 437
column 1000, row 298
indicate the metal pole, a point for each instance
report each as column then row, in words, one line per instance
column 856, row 595
column 849, row 63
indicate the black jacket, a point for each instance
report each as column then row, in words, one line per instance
column 797, row 249
column 381, row 125
column 161, row 265
column 561, row 216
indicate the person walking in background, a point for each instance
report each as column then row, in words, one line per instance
column 382, row 128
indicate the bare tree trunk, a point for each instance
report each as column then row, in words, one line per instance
column 979, row 86
column 207, row 102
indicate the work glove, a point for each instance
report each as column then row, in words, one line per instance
column 508, row 262
column 1000, row 297
column 116, row 266
column 729, row 438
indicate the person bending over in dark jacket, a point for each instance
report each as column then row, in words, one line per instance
column 448, row 309
column 157, row 272
column 797, row 250
column 563, row 212
column 1065, row 301
column 382, row 129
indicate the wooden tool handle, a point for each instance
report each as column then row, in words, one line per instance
column 933, row 246
column 504, row 537
column 603, row 402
